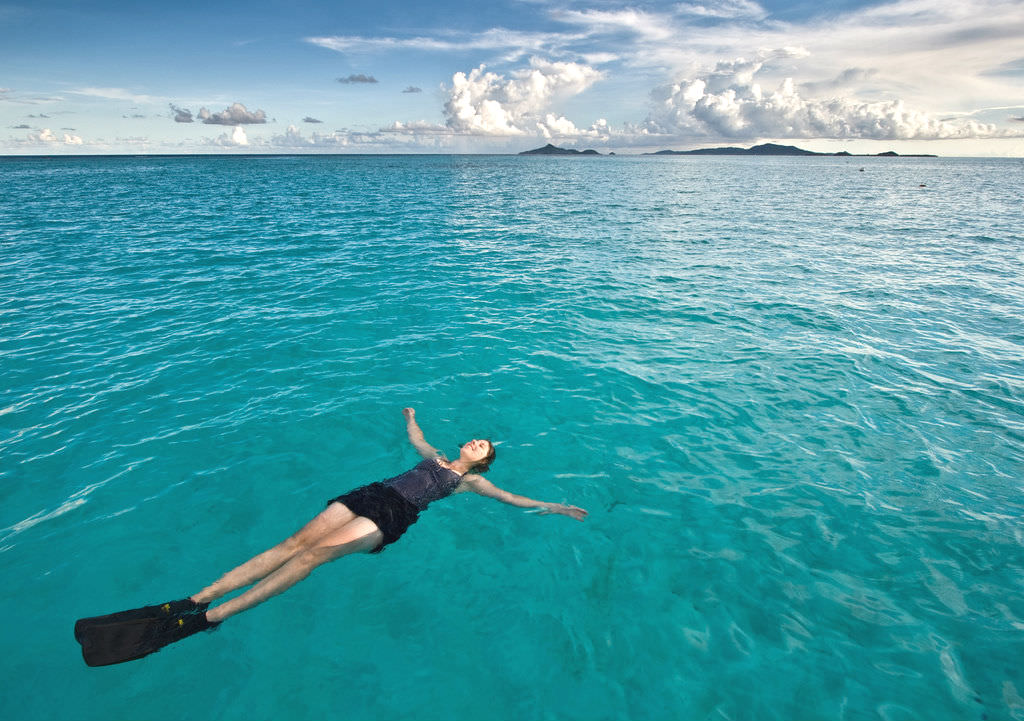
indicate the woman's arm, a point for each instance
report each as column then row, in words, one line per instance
column 479, row 484
column 416, row 435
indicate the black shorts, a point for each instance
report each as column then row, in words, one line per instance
column 383, row 505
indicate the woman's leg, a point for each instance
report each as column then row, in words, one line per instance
column 333, row 518
column 359, row 534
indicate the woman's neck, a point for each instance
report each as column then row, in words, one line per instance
column 459, row 466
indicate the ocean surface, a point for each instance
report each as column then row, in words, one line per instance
column 790, row 392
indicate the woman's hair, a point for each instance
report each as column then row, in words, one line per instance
column 484, row 463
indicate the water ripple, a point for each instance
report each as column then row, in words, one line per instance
column 791, row 394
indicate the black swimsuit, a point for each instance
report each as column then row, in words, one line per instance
column 395, row 503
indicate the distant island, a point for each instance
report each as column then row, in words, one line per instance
column 775, row 149
column 765, row 149
column 550, row 149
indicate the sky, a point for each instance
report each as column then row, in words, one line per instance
column 465, row 76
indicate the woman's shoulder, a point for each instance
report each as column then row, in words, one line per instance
column 467, row 482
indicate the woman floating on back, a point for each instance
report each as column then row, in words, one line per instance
column 363, row 520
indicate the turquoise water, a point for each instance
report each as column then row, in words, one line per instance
column 790, row 393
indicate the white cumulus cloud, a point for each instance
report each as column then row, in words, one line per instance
column 47, row 137
column 552, row 126
column 487, row 103
column 416, row 127
column 728, row 102
column 235, row 138
column 292, row 138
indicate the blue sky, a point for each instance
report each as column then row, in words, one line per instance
column 938, row 76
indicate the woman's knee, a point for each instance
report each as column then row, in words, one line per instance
column 312, row 547
column 294, row 545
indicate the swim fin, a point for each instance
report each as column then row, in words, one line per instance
column 163, row 610
column 130, row 635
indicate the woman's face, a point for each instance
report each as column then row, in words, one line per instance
column 476, row 450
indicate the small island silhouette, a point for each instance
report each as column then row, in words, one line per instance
column 765, row 149
column 550, row 149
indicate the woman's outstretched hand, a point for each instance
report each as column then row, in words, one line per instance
column 572, row 511
column 409, row 413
